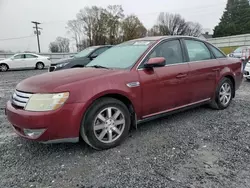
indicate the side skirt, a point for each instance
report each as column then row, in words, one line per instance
column 173, row 111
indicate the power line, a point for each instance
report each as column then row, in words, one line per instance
column 15, row 38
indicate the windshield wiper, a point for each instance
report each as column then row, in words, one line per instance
column 99, row 67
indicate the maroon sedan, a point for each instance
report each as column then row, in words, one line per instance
column 133, row 82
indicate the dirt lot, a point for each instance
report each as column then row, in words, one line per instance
column 196, row 148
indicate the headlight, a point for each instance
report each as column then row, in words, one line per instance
column 46, row 102
column 62, row 65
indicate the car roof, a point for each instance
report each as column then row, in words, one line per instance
column 99, row 46
column 157, row 38
column 26, row 53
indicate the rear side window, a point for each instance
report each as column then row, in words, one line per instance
column 217, row 53
column 197, row 50
column 30, row 56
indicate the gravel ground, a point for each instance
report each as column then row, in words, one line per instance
column 196, row 148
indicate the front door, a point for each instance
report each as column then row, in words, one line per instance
column 18, row 61
column 203, row 70
column 165, row 88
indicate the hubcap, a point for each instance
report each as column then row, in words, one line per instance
column 225, row 94
column 109, row 125
column 40, row 66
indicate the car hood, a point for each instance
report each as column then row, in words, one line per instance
column 65, row 60
column 48, row 82
column 3, row 60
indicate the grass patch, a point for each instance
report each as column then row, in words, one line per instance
column 228, row 50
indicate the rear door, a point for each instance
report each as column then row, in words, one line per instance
column 30, row 60
column 165, row 88
column 204, row 69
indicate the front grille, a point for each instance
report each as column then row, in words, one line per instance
column 20, row 98
column 52, row 68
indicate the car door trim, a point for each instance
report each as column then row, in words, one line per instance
column 176, row 108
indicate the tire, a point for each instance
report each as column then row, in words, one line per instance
column 39, row 66
column 97, row 124
column 4, row 67
column 225, row 88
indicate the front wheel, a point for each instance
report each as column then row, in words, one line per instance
column 224, row 94
column 3, row 67
column 106, row 124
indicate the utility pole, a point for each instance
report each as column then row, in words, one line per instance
column 37, row 32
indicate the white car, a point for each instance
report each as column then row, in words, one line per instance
column 24, row 61
column 247, row 71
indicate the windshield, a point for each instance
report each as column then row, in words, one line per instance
column 85, row 52
column 121, row 56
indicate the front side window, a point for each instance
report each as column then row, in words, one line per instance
column 170, row 50
column 217, row 53
column 19, row 56
column 197, row 50
column 121, row 56
column 30, row 56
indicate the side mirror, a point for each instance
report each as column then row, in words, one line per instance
column 155, row 62
column 93, row 56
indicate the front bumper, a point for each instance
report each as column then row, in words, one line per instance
column 247, row 72
column 62, row 125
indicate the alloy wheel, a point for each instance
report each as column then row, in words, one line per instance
column 225, row 94
column 109, row 125
column 3, row 68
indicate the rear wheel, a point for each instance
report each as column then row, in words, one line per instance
column 106, row 124
column 4, row 67
column 224, row 94
column 39, row 65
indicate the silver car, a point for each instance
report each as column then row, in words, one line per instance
column 242, row 52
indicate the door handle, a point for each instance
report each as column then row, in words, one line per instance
column 181, row 75
column 216, row 69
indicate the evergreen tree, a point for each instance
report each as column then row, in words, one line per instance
column 235, row 19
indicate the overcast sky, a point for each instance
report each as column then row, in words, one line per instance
column 16, row 17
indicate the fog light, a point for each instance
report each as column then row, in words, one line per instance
column 33, row 133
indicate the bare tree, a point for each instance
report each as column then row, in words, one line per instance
column 76, row 29
column 194, row 29
column 132, row 28
column 60, row 45
column 174, row 24
column 53, row 47
column 114, row 15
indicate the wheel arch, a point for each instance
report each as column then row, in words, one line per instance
column 40, row 62
column 119, row 96
column 231, row 78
